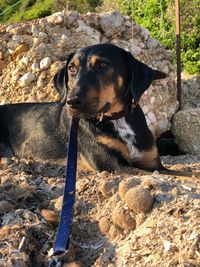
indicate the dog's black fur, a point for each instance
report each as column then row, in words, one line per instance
column 99, row 83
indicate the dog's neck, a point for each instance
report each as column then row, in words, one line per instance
column 116, row 115
column 112, row 116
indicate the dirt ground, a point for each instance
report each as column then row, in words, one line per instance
column 107, row 230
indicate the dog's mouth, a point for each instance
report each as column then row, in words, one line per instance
column 89, row 111
column 94, row 114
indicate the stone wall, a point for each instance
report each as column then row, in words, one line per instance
column 31, row 53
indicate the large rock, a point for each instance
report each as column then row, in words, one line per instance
column 186, row 129
column 46, row 41
column 190, row 91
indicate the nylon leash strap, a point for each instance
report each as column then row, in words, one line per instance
column 61, row 243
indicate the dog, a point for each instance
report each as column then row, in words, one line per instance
column 102, row 84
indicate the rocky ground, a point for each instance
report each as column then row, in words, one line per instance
column 119, row 219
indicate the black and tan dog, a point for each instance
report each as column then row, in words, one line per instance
column 102, row 84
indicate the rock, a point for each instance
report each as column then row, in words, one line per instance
column 134, row 49
column 71, row 18
column 104, row 225
column 152, row 43
column 111, row 23
column 108, row 188
column 5, row 206
column 56, row 18
column 45, row 63
column 35, row 67
column 27, row 214
column 14, row 29
column 58, row 30
column 114, row 232
column 40, row 84
column 132, row 32
column 34, row 29
column 50, row 216
column 89, row 31
column 186, row 129
column 26, row 79
column 23, row 47
column 145, row 33
column 139, row 199
column 190, row 91
column 41, row 94
column 58, row 203
column 127, row 184
column 121, row 217
column 92, row 19
column 24, row 61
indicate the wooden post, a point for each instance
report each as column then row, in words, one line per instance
column 178, row 52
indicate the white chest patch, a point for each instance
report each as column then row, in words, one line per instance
column 128, row 136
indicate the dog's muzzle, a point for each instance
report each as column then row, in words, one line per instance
column 75, row 102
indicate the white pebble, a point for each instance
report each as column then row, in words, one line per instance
column 27, row 79
column 35, row 67
column 45, row 63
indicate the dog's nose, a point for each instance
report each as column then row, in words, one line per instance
column 74, row 102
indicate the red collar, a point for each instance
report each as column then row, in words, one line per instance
column 112, row 116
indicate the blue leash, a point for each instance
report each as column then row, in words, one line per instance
column 62, row 238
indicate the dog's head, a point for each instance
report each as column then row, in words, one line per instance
column 103, row 79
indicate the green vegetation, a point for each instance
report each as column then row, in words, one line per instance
column 158, row 16
column 24, row 10
column 155, row 15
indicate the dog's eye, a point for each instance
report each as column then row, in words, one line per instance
column 103, row 65
column 72, row 69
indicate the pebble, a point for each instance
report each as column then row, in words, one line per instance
column 24, row 61
column 114, row 232
column 108, row 188
column 56, row 18
column 58, row 203
column 139, row 199
column 23, row 47
column 27, row 214
column 35, row 67
column 27, row 79
column 50, row 216
column 45, row 63
column 121, row 217
column 125, row 185
column 104, row 225
column 5, row 206
column 111, row 23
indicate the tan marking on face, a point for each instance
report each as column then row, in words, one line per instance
column 71, row 84
column 114, row 143
column 76, row 62
column 149, row 158
column 107, row 95
column 94, row 60
column 120, row 81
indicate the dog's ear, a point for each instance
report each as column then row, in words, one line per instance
column 60, row 80
column 141, row 76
